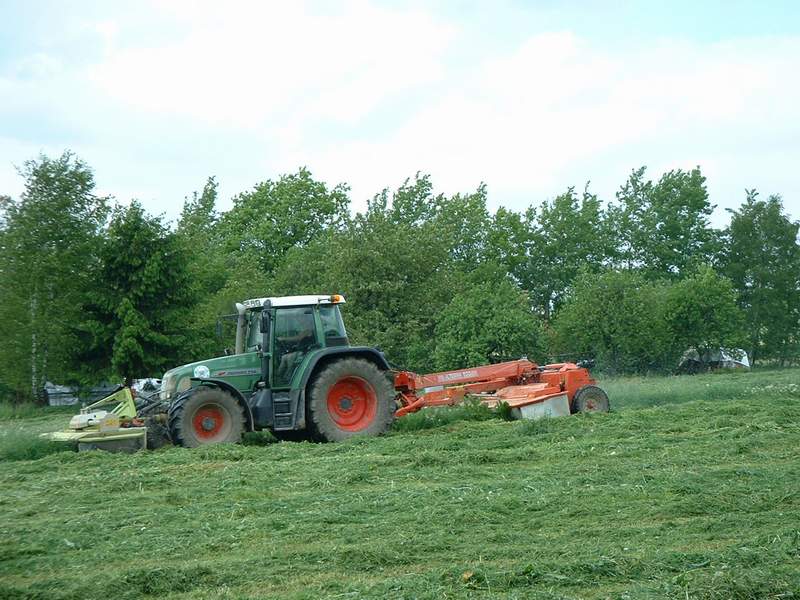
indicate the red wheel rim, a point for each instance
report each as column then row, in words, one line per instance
column 352, row 404
column 211, row 422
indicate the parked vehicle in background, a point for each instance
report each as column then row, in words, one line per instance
column 54, row 394
column 693, row 361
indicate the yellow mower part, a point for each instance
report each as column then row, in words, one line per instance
column 125, row 408
column 101, row 429
column 99, row 420
column 96, row 436
column 123, row 439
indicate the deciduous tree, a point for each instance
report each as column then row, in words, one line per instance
column 278, row 215
column 545, row 248
column 617, row 318
column 49, row 241
column 762, row 258
column 663, row 228
column 208, row 268
column 486, row 322
column 700, row 312
column 393, row 265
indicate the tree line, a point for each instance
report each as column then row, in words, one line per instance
column 91, row 289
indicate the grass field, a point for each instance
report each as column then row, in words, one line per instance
column 690, row 488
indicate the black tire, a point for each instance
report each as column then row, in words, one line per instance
column 351, row 396
column 590, row 398
column 207, row 416
column 157, row 434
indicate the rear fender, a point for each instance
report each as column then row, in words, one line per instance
column 327, row 355
column 222, row 384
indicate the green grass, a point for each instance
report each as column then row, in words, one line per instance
column 20, row 426
column 689, row 489
column 640, row 392
column 470, row 410
column 18, row 444
column 28, row 410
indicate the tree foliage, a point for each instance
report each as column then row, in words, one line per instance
column 632, row 324
column 617, row 318
column 437, row 281
column 570, row 235
column 762, row 258
column 49, row 242
column 663, row 228
column 394, row 265
column 487, row 322
column 278, row 215
column 545, row 248
column 137, row 314
column 700, row 312
column 209, row 268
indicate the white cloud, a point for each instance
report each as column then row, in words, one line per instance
column 371, row 94
column 255, row 64
column 524, row 121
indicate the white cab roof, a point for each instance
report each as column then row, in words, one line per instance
column 282, row 301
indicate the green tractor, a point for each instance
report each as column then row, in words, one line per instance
column 293, row 373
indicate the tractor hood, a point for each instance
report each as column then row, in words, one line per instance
column 240, row 370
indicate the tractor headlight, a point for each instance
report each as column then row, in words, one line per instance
column 171, row 387
column 167, row 387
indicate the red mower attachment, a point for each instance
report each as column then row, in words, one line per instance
column 532, row 391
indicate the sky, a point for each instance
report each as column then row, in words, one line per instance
column 528, row 97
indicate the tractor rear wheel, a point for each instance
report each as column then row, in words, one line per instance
column 208, row 416
column 590, row 398
column 350, row 397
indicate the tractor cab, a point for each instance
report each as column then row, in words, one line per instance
column 286, row 330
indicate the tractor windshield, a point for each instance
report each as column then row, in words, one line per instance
column 332, row 324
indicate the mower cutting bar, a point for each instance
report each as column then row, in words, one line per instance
column 518, row 383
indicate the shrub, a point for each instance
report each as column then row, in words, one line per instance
column 616, row 318
column 488, row 322
column 701, row 312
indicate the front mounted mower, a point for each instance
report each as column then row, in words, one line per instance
column 117, row 429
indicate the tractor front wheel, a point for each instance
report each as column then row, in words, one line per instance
column 590, row 398
column 207, row 416
column 350, row 397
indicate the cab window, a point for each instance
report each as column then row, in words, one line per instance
column 254, row 335
column 294, row 337
column 332, row 324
